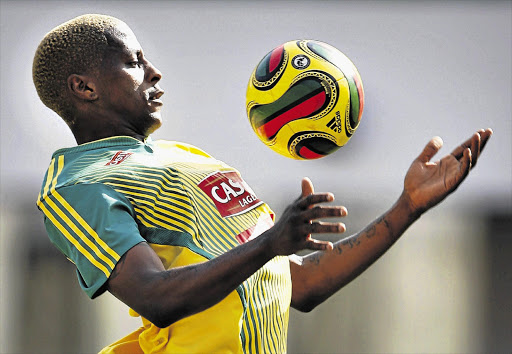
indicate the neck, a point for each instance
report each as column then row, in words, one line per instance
column 86, row 129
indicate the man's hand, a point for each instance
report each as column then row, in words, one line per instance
column 320, row 274
column 293, row 231
column 428, row 183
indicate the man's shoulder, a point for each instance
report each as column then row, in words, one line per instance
column 86, row 163
column 178, row 146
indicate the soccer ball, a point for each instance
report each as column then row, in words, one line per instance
column 305, row 99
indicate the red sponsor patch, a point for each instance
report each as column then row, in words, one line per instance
column 119, row 157
column 264, row 223
column 231, row 195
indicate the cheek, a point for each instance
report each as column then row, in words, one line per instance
column 134, row 78
column 129, row 93
column 124, row 87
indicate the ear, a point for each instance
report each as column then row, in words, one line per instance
column 83, row 87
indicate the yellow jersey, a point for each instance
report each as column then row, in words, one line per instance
column 101, row 198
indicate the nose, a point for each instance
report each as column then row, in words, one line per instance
column 153, row 75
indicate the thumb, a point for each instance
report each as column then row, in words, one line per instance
column 431, row 149
column 307, row 187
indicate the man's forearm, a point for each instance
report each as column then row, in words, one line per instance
column 320, row 274
column 165, row 296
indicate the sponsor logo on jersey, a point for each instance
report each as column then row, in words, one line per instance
column 231, row 195
column 119, row 157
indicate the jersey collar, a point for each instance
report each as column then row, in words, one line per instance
column 106, row 142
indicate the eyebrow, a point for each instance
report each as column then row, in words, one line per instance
column 137, row 52
column 130, row 53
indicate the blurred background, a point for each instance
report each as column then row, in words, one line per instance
column 429, row 68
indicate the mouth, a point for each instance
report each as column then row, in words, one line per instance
column 154, row 96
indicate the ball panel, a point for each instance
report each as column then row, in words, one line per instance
column 293, row 112
column 278, row 144
column 270, row 69
column 276, row 58
column 305, row 98
column 356, row 102
column 308, row 154
column 269, row 64
column 360, row 93
column 312, row 145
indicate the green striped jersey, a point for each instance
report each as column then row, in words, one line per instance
column 101, row 198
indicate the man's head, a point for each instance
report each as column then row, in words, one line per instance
column 93, row 66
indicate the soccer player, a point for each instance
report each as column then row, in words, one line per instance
column 177, row 235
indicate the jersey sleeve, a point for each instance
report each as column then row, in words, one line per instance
column 93, row 226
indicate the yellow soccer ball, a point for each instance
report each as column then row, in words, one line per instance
column 305, row 99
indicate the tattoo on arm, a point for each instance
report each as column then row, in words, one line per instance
column 352, row 241
column 372, row 230
column 313, row 258
column 383, row 220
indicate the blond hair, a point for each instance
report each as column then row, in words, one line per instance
column 74, row 47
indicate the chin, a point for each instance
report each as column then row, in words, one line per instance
column 155, row 123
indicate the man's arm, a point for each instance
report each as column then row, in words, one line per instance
column 320, row 274
column 165, row 296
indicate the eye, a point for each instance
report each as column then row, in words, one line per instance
column 136, row 63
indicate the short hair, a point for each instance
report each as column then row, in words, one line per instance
column 74, row 47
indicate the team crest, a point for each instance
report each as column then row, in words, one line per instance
column 119, row 157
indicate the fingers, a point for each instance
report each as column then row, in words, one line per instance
column 320, row 212
column 472, row 143
column 311, row 199
column 307, row 187
column 484, row 136
column 317, row 245
column 431, row 149
column 319, row 227
column 476, row 144
column 465, row 165
column 307, row 204
column 453, row 180
column 308, row 212
column 475, row 149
